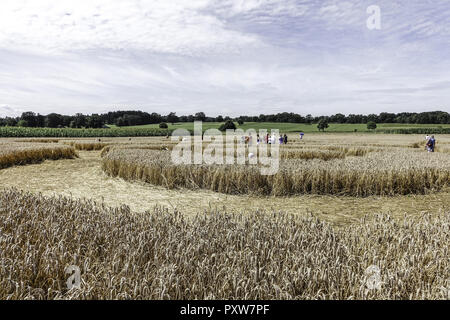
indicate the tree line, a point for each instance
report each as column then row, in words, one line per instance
column 432, row 117
column 133, row 118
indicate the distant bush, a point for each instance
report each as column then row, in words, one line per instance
column 227, row 125
column 322, row 125
column 371, row 125
column 22, row 123
column 163, row 125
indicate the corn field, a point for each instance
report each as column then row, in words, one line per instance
column 214, row 255
column 71, row 132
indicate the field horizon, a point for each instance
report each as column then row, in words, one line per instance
column 295, row 127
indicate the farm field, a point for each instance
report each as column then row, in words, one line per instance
column 154, row 130
column 294, row 127
column 350, row 200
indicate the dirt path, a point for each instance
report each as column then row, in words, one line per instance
column 83, row 178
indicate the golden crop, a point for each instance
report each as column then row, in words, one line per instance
column 86, row 146
column 214, row 255
column 19, row 153
column 321, row 170
column 38, row 140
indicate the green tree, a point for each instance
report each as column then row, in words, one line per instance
column 79, row 120
column 22, row 123
column 163, row 125
column 227, row 125
column 172, row 117
column 200, row 116
column 11, row 122
column 322, row 124
column 53, row 120
column 94, row 121
column 30, row 119
column 371, row 125
column 120, row 122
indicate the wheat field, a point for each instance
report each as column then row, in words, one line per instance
column 313, row 169
column 215, row 255
column 165, row 233
column 26, row 153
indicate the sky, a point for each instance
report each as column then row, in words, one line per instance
column 227, row 57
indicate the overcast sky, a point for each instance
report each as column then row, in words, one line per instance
column 241, row 57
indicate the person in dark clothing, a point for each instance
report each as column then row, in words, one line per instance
column 285, row 138
column 431, row 144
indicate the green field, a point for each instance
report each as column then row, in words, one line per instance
column 297, row 127
column 154, row 130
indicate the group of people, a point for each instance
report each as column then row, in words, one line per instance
column 431, row 143
column 271, row 139
column 267, row 139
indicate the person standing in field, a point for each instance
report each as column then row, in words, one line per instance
column 285, row 138
column 281, row 139
column 301, row 135
column 431, row 144
column 272, row 139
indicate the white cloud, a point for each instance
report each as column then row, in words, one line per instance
column 178, row 27
column 272, row 8
column 7, row 111
column 222, row 57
